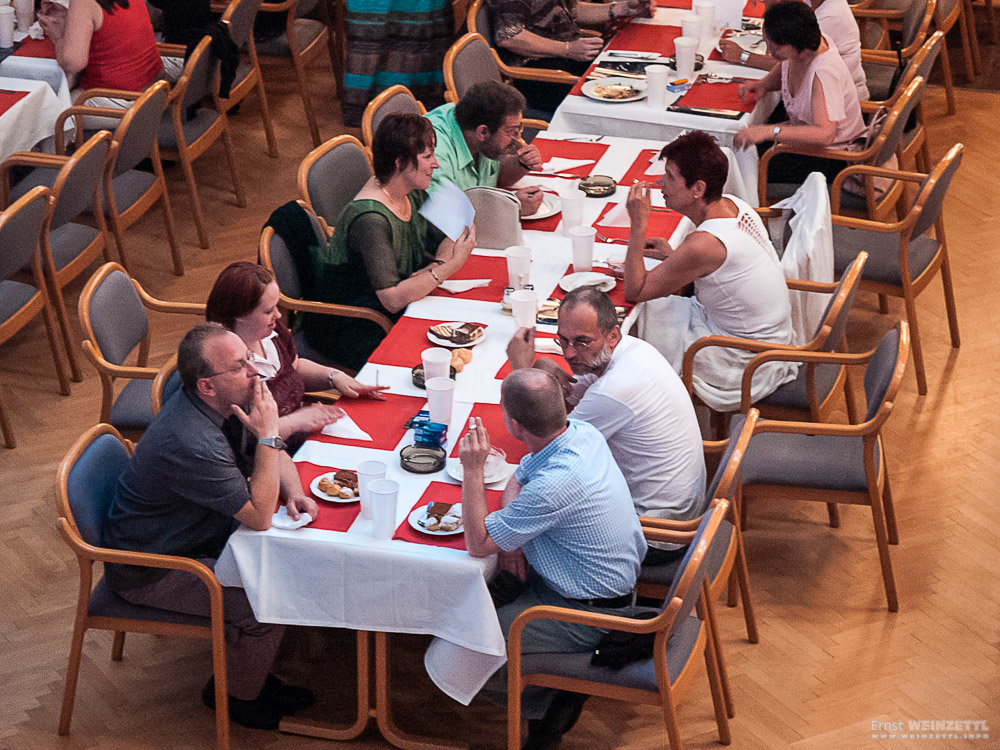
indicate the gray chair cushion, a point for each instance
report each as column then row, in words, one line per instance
column 193, row 128
column 792, row 395
column 13, row 296
column 68, row 241
column 883, row 249
column 879, row 77
column 663, row 575
column 132, row 409
column 130, row 186
column 45, row 176
column 640, row 675
column 106, row 603
column 816, row 461
column 306, row 30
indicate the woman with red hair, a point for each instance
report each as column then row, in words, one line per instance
column 244, row 299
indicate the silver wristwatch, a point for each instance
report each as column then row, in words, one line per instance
column 777, row 129
column 745, row 57
column 272, row 442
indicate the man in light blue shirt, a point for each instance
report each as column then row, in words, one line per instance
column 479, row 142
column 567, row 529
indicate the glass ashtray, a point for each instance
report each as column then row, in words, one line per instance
column 598, row 186
column 422, row 459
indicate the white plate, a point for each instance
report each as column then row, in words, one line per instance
column 587, row 278
column 451, row 344
column 314, row 488
column 588, row 88
column 749, row 41
column 419, row 514
column 495, row 473
column 550, row 206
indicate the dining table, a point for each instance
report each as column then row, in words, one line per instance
column 334, row 572
column 29, row 117
column 710, row 104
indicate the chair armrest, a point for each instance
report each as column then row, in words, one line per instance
column 330, row 396
column 669, row 524
column 874, row 171
column 726, row 342
column 171, row 50
column 275, row 7
column 143, row 559
column 880, row 57
column 167, row 306
column 672, row 536
column 878, row 13
column 583, row 617
column 88, row 94
column 77, row 111
column 535, row 74
column 33, row 159
column 801, row 356
column 531, row 122
column 805, row 285
column 822, row 428
column 329, row 308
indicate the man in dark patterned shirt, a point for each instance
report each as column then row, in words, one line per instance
column 546, row 34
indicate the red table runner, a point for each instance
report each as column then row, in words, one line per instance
column 571, row 150
column 332, row 516
column 637, row 172
column 646, row 37
column 36, row 48
column 662, row 223
column 492, row 418
column 717, row 96
column 480, row 267
column 753, row 8
column 9, row 98
column 383, row 420
column 544, row 225
column 407, row 339
column 445, row 493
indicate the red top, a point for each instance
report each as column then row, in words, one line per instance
column 123, row 52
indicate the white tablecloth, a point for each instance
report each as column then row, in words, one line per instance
column 32, row 118
column 350, row 580
column 38, row 69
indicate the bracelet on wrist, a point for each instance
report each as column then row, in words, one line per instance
column 431, row 272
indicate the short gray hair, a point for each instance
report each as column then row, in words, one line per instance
column 533, row 399
column 191, row 362
column 607, row 316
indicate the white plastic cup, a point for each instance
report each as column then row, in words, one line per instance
column 705, row 9
column 437, row 362
column 6, row 26
column 518, row 265
column 25, row 11
column 691, row 25
column 657, row 77
column 368, row 472
column 685, row 48
column 524, row 306
column 383, row 494
column 572, row 209
column 440, row 394
column 583, row 248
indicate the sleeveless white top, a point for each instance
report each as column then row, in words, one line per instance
column 839, row 91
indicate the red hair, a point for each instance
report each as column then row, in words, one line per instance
column 236, row 292
column 697, row 156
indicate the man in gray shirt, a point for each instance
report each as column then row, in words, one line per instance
column 209, row 461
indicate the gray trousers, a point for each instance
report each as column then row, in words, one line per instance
column 250, row 645
column 544, row 636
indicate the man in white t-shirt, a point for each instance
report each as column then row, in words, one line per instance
column 627, row 390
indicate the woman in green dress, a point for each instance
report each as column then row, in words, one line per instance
column 383, row 254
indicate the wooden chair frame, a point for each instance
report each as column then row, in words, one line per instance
column 508, row 71
column 108, row 372
column 186, row 152
column 302, row 58
column 302, row 177
column 367, row 132
column 879, row 494
column 661, row 626
column 293, row 305
column 87, row 555
column 878, row 207
column 39, row 303
column 909, row 289
column 122, row 220
column 57, row 278
column 253, row 81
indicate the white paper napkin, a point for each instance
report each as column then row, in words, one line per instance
column 281, row 520
column 558, row 164
column 346, row 428
column 547, row 346
column 617, row 216
column 458, row 286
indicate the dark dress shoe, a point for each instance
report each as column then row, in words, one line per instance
column 290, row 697
column 260, row 713
column 546, row 733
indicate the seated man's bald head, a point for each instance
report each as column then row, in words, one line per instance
column 534, row 400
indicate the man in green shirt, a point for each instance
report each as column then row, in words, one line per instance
column 479, row 142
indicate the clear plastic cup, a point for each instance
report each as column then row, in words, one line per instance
column 368, row 471
column 583, row 248
column 384, row 493
column 518, row 265
column 685, row 48
column 524, row 306
column 437, row 362
column 572, row 209
column 657, row 77
column 440, row 394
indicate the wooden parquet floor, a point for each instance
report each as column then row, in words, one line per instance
column 831, row 659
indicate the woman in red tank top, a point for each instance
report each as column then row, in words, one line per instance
column 103, row 43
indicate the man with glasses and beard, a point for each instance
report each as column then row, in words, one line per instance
column 479, row 142
column 626, row 389
column 210, row 460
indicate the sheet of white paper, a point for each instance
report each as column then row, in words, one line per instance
column 616, row 217
column 346, row 428
column 449, row 209
column 558, row 164
column 547, row 346
column 462, row 285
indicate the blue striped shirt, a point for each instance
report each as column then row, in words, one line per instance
column 574, row 517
